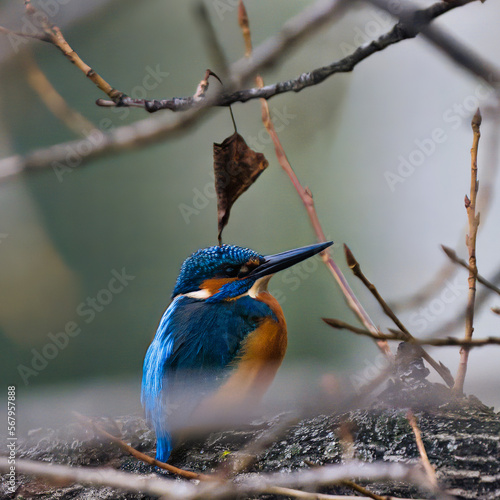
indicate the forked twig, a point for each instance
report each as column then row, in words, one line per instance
column 452, row 255
column 51, row 33
column 470, row 205
column 405, row 334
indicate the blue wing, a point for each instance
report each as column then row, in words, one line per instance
column 198, row 339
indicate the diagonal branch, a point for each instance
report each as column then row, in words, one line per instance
column 452, row 255
column 406, row 335
column 397, row 335
column 429, row 469
column 306, row 195
column 139, row 455
column 51, row 33
column 276, row 46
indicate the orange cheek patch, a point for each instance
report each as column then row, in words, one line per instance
column 215, row 284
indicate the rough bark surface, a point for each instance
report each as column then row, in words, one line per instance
column 462, row 439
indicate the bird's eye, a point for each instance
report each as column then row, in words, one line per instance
column 230, row 270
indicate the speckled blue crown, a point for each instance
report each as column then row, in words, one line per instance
column 205, row 263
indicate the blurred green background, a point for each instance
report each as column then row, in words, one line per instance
column 63, row 235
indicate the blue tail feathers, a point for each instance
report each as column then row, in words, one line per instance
column 163, row 447
column 154, row 394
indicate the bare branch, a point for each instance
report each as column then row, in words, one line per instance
column 489, row 171
column 50, row 33
column 457, row 320
column 452, row 255
column 139, row 455
column 356, row 269
column 150, row 131
column 470, row 205
column 397, row 335
column 279, row 44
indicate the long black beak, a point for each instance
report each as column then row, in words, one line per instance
column 274, row 263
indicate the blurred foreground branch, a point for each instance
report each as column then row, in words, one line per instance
column 251, row 484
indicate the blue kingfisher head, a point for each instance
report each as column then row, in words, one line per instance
column 227, row 271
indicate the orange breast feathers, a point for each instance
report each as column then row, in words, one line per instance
column 262, row 354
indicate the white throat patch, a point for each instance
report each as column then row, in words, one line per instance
column 258, row 287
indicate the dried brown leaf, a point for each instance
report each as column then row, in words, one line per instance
column 236, row 168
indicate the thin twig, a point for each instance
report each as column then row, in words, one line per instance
column 452, row 255
column 51, row 33
column 306, row 195
column 214, row 48
column 356, row 269
column 429, row 469
column 441, row 278
column 470, row 205
column 458, row 319
column 142, row 456
column 396, row 335
column 356, row 487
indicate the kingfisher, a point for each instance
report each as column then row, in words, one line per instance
column 220, row 342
